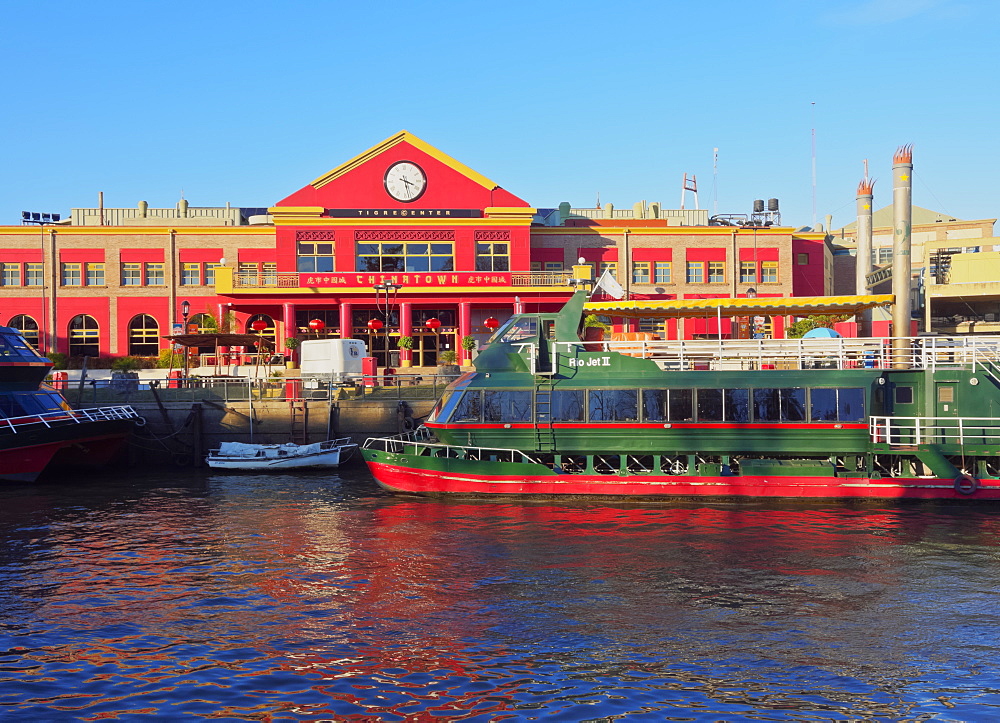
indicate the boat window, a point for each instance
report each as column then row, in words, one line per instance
column 12, row 345
column 779, row 405
column 736, row 404
column 567, row 405
column 506, row 406
column 710, row 405
column 469, row 408
column 680, row 405
column 724, row 405
column 613, row 405
column 523, row 327
column 837, row 405
column 903, row 395
column 444, row 407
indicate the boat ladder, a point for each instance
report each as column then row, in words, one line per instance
column 544, row 436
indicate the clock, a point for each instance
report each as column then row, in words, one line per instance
column 405, row 181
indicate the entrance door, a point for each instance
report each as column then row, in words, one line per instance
column 425, row 350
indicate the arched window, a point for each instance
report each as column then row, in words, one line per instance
column 268, row 332
column 84, row 336
column 205, row 323
column 143, row 336
column 28, row 328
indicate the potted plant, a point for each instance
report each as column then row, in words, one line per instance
column 594, row 330
column 468, row 345
column 124, row 377
column 447, row 363
column 291, row 343
column 406, row 347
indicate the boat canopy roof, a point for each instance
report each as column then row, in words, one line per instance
column 697, row 308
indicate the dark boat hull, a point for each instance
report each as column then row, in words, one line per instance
column 26, row 455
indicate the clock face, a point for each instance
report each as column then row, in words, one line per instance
column 405, row 181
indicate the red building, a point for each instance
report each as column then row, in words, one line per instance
column 400, row 242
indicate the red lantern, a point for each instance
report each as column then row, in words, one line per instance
column 374, row 324
column 258, row 325
column 492, row 324
column 432, row 324
column 317, row 325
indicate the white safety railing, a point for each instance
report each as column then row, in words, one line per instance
column 736, row 354
column 908, row 431
column 411, row 443
column 77, row 416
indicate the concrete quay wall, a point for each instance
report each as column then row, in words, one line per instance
column 182, row 433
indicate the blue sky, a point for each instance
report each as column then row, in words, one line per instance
column 556, row 101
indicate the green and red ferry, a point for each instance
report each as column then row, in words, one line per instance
column 547, row 412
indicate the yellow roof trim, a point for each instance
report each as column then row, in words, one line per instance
column 737, row 307
column 403, row 136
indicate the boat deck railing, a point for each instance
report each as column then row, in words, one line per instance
column 77, row 416
column 416, row 443
column 835, row 353
column 909, row 431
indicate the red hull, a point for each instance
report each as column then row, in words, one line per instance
column 428, row 482
column 26, row 463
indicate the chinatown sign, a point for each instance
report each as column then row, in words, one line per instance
column 421, row 278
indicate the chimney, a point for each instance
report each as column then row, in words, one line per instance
column 863, row 258
column 902, row 214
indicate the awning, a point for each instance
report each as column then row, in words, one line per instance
column 777, row 306
column 220, row 340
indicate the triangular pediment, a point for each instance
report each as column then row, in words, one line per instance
column 360, row 181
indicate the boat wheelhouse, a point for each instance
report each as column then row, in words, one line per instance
column 549, row 412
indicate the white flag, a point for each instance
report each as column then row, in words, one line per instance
column 609, row 284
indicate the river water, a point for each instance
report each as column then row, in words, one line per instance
column 186, row 595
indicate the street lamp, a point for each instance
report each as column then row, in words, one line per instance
column 185, row 311
column 385, row 307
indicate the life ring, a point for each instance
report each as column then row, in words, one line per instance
column 966, row 484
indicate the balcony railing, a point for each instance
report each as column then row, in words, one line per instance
column 284, row 280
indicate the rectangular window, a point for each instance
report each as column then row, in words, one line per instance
column 269, row 273
column 492, row 257
column 779, row 405
column 314, row 257
column 131, row 274
column 154, row 275
column 248, row 272
column 567, row 405
column 610, row 266
column 553, row 266
column 652, row 326
column 95, row 274
column 506, row 406
column 640, row 272
column 695, row 272
column 11, row 275
column 716, row 272
column 72, row 274
column 837, row 405
column 803, row 259
column 662, row 272
column 33, row 274
column 190, row 274
column 405, row 257
column 885, row 255
column 210, row 273
column 666, row 405
column 536, row 265
column 613, row 405
column 769, row 272
column 748, row 272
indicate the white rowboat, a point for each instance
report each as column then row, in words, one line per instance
column 237, row 455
